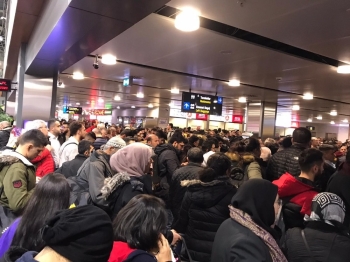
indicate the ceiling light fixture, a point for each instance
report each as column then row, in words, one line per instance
column 234, row 82
column 242, row 99
column 175, row 90
column 87, row 102
column 308, row 96
column 117, row 98
column 187, row 20
column 60, row 83
column 69, row 104
column 118, row 107
column 150, row 105
column 309, row 120
column 78, row 76
column 170, row 104
column 109, row 59
column 95, row 64
column 332, row 122
column 57, row 106
column 77, row 103
column 132, row 106
column 345, row 121
column 333, row 113
column 344, row 69
column 319, row 117
column 140, row 95
column 100, row 100
column 295, row 107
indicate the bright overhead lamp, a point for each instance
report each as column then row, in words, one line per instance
column 333, row 113
column 175, row 90
column 77, row 103
column 78, row 76
column 345, row 121
column 344, row 69
column 57, row 106
column 187, row 20
column 319, row 117
column 308, row 96
column 295, row 107
column 140, row 95
column 117, row 98
column 87, row 102
column 332, row 122
column 132, row 106
column 234, row 82
column 109, row 59
column 170, row 104
column 309, row 120
column 242, row 99
column 118, row 107
column 150, row 105
column 69, row 104
column 100, row 100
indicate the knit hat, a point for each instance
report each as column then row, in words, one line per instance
column 80, row 234
column 116, row 142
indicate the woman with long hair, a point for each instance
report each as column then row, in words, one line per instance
column 138, row 231
column 50, row 195
column 249, row 235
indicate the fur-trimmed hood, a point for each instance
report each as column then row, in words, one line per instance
column 9, row 157
column 187, row 183
column 112, row 183
column 245, row 158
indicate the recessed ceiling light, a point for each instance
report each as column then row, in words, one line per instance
column 295, row 107
column 175, row 90
column 187, row 20
column 170, row 104
column 140, row 95
column 87, row 102
column 309, row 120
column 319, row 117
column 242, row 99
column 69, row 104
column 57, row 106
column 344, row 69
column 118, row 107
column 60, row 85
column 308, row 96
column 150, row 105
column 77, row 103
column 345, row 121
column 332, row 123
column 109, row 59
column 117, row 98
column 78, row 76
column 234, row 82
column 100, row 100
column 333, row 113
column 132, row 106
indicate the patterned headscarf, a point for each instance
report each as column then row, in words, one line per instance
column 327, row 207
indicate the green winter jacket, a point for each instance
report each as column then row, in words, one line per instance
column 17, row 181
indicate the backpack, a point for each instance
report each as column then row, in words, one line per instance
column 238, row 173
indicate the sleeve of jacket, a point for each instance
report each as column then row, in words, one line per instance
column 181, row 224
column 271, row 169
column 172, row 163
column 47, row 165
column 15, row 188
column 254, row 171
column 96, row 182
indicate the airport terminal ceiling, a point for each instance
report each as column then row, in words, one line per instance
column 204, row 60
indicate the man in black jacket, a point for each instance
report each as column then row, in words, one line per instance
column 188, row 172
column 329, row 167
column 286, row 161
column 71, row 168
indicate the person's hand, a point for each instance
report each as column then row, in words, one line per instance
column 164, row 253
column 184, row 164
column 176, row 237
column 49, row 147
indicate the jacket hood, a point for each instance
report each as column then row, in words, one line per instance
column 208, row 194
column 120, row 251
column 246, row 158
column 9, row 157
column 289, row 185
column 15, row 254
column 159, row 149
column 112, row 183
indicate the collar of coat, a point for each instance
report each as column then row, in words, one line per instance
column 9, row 157
column 219, row 180
column 245, row 157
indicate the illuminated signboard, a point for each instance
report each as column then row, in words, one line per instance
column 98, row 112
column 202, row 104
column 128, row 81
column 5, row 85
column 72, row 110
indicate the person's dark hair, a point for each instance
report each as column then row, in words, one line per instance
column 195, row 155
column 51, row 122
column 327, row 147
column 84, row 146
column 287, row 142
column 310, row 157
column 217, row 165
column 161, row 134
column 74, row 127
column 178, row 139
column 92, row 135
column 245, row 145
column 126, row 132
column 140, row 222
column 34, row 136
column 193, row 139
column 302, row 135
column 50, row 195
column 207, row 144
column 171, row 125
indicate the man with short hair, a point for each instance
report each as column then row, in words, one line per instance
column 329, row 166
column 64, row 136
column 170, row 130
column 5, row 132
column 315, row 142
column 286, row 161
column 71, row 167
column 54, row 132
column 69, row 149
column 209, row 147
column 188, row 172
column 297, row 192
column 17, row 175
column 100, row 140
column 152, row 141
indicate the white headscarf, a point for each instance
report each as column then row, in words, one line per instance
column 132, row 159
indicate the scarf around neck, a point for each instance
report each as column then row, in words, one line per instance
column 245, row 220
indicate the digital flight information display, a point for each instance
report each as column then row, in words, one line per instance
column 202, row 104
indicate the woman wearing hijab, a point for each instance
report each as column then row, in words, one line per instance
column 324, row 238
column 248, row 234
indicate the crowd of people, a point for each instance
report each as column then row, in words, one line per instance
column 87, row 191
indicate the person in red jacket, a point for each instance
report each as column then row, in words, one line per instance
column 93, row 125
column 297, row 192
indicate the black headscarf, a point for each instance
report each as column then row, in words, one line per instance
column 256, row 197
